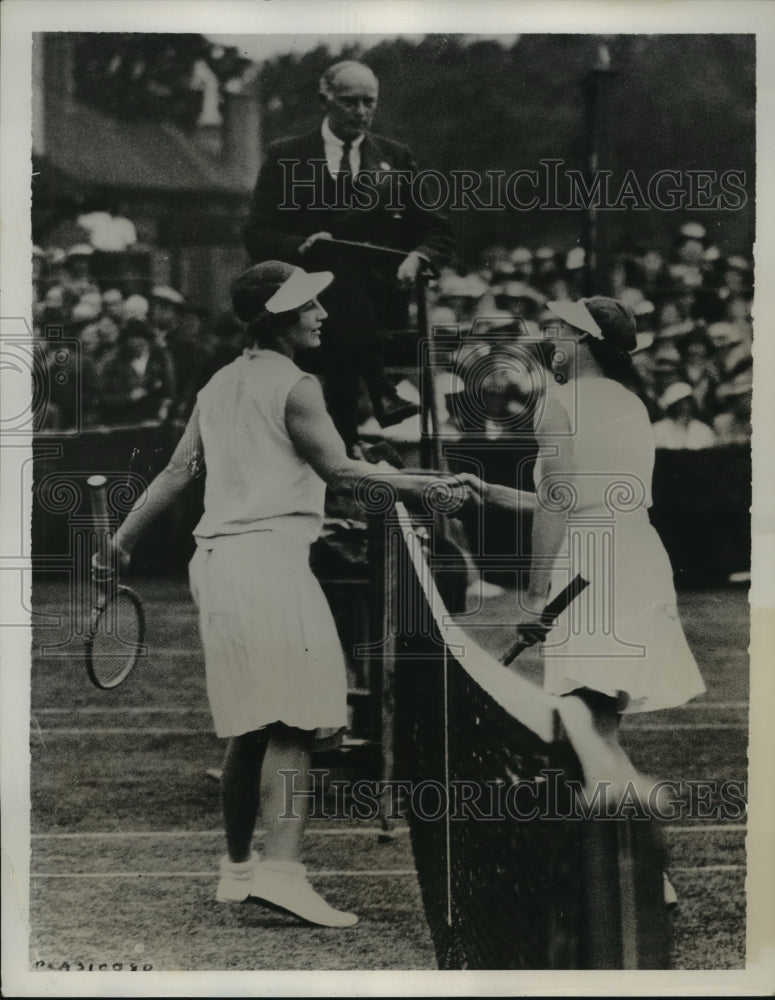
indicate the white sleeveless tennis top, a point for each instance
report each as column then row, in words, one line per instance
column 613, row 445
column 256, row 480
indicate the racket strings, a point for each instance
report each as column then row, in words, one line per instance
column 116, row 635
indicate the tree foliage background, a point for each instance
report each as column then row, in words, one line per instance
column 679, row 102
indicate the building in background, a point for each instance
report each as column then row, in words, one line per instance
column 185, row 190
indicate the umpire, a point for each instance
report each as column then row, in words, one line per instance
column 308, row 193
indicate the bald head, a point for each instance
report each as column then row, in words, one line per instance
column 349, row 92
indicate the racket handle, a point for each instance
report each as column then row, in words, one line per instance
column 549, row 615
column 513, row 652
column 98, row 497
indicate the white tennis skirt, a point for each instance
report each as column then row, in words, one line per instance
column 622, row 636
column 272, row 652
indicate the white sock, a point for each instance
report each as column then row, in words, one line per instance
column 239, row 870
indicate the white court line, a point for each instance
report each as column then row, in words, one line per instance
column 705, row 868
column 156, row 653
column 165, row 731
column 712, row 706
column 326, row 873
column 127, row 710
column 121, row 731
column 710, row 828
column 358, row 831
column 672, row 727
column 323, row 873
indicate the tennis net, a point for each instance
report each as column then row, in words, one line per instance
column 508, row 879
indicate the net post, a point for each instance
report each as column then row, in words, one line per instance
column 382, row 658
column 430, row 446
column 627, row 924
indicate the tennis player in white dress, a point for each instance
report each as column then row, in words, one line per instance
column 619, row 647
column 276, row 677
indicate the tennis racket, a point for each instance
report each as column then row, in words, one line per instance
column 114, row 642
column 549, row 615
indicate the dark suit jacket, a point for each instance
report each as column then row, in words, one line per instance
column 387, row 215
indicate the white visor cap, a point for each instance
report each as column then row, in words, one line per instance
column 576, row 314
column 299, row 288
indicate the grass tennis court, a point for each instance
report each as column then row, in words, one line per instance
column 126, row 822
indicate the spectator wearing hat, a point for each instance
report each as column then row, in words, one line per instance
column 733, row 365
column 699, row 371
column 52, row 310
column 78, row 279
column 88, row 308
column 166, row 310
column 519, row 299
column 500, row 266
column 665, row 364
column 136, row 307
column 102, row 336
column 295, row 218
column 690, row 246
column 138, row 380
column 55, row 266
column 683, row 295
column 680, row 427
column 738, row 312
column 731, row 354
column 692, row 231
column 107, row 232
column 522, row 261
column 545, row 261
column 655, row 277
column 668, row 313
column 575, row 263
column 276, row 676
column 168, row 318
column 549, row 277
column 733, row 424
column 642, row 356
column 645, row 314
column 113, row 305
column 736, row 277
column 461, row 294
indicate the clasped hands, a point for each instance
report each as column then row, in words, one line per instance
column 471, row 490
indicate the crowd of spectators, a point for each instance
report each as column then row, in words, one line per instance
column 120, row 357
column 693, row 364
column 142, row 358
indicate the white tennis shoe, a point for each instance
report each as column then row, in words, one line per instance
column 280, row 884
column 284, row 884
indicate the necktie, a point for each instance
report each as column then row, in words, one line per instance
column 345, row 176
column 344, row 164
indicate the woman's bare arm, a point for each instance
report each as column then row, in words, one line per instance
column 317, row 440
column 508, row 498
column 186, row 464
